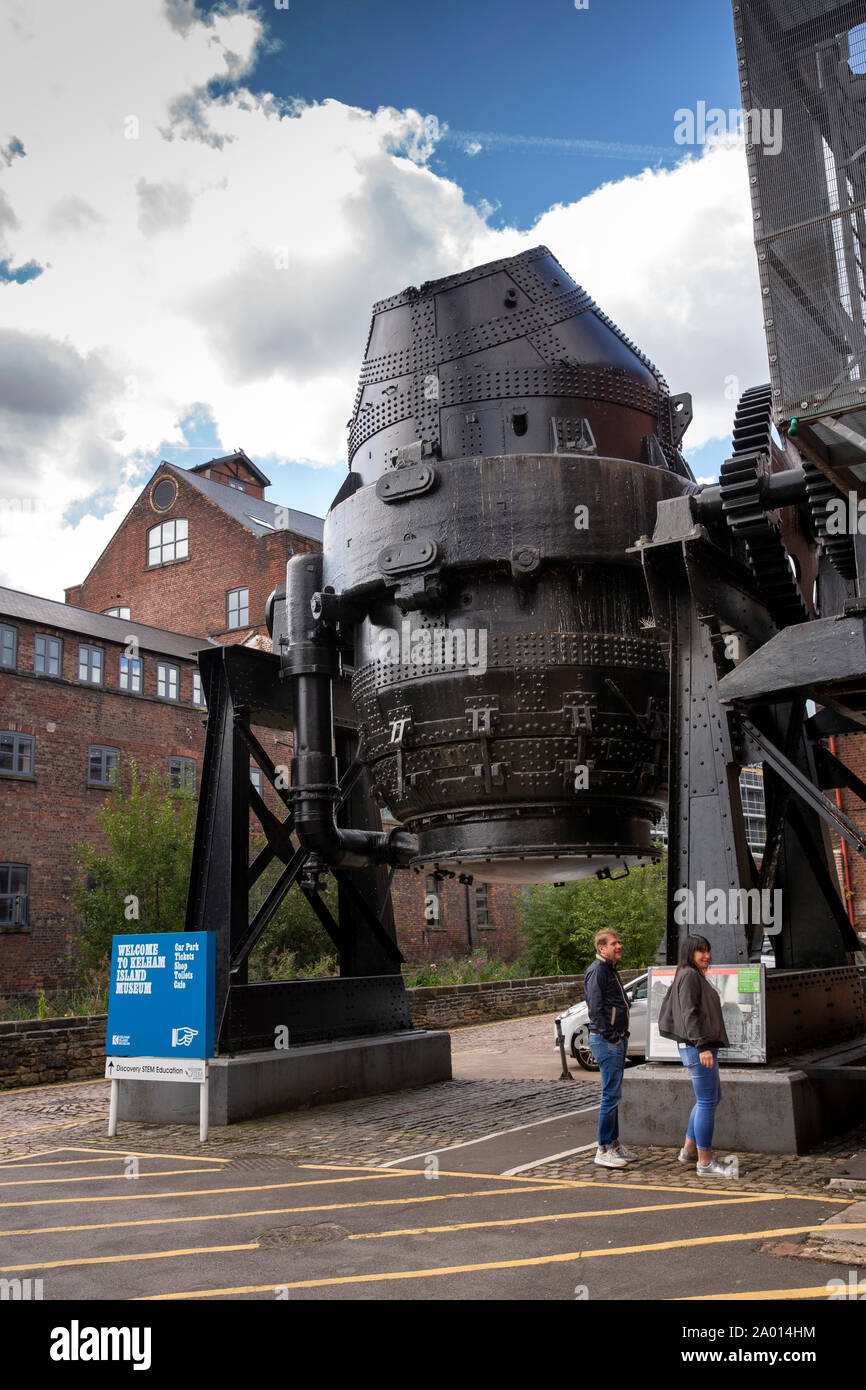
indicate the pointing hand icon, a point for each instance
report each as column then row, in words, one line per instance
column 182, row 1037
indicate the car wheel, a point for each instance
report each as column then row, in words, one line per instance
column 582, row 1052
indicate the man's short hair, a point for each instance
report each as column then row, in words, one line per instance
column 601, row 938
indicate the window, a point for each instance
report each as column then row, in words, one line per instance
column 256, row 778
column 639, row 991
column 754, row 811
column 90, row 664
column 482, row 905
column 167, row 681
column 16, row 754
column 115, row 612
column 181, row 774
column 130, row 673
column 241, row 487
column 169, row 541
column 102, row 765
column 8, row 645
column 237, row 607
column 14, row 894
column 48, row 655
column 197, row 691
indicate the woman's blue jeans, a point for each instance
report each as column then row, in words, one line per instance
column 708, row 1093
column 611, row 1063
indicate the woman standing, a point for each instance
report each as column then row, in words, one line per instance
column 692, row 1014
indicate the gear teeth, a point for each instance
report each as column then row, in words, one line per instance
column 840, row 548
column 741, row 504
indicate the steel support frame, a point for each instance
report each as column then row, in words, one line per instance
column 699, row 596
column 243, row 689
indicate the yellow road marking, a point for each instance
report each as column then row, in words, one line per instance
column 566, row 1258
column 817, row 1291
column 280, row 1211
column 196, row 1192
column 122, row 1259
column 594, row 1182
column 108, row 1177
column 553, row 1216
column 109, row 1156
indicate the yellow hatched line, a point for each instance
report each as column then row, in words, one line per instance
column 195, row 1192
column 555, row 1216
column 712, row 1192
column 816, row 1291
column 109, row 1177
column 110, row 1158
column 535, row 1260
column 108, row 1154
column 282, row 1211
column 124, row 1259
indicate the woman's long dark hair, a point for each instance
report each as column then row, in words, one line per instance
column 688, row 946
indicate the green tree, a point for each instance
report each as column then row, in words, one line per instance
column 294, row 939
column 139, row 883
column 560, row 923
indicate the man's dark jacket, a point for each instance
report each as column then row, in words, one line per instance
column 605, row 1000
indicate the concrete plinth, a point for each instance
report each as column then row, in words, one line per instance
column 268, row 1082
column 762, row 1110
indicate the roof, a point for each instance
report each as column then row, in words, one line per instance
column 50, row 613
column 237, row 457
column 257, row 515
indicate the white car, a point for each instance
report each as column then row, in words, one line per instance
column 575, row 1021
column 575, row 1026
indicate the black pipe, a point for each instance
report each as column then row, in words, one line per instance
column 311, row 662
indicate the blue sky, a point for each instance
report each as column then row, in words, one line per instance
column 559, row 100
column 188, row 259
column 524, row 73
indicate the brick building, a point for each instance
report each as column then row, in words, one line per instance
column 78, row 692
column 111, row 675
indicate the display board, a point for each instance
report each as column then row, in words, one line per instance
column 741, row 989
column 161, row 996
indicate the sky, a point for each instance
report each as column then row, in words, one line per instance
column 199, row 204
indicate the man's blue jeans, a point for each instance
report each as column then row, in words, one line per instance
column 611, row 1063
column 708, row 1093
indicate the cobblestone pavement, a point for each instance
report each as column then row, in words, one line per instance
column 372, row 1130
column 381, row 1128
column 840, row 1157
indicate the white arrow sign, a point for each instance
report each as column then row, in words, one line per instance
column 155, row 1069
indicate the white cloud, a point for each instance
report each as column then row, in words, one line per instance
column 227, row 251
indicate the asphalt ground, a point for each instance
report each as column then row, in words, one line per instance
column 454, row 1225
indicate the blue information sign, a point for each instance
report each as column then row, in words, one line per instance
column 161, row 995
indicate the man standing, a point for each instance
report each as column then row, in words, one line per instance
column 608, row 1030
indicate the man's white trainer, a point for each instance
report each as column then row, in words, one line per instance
column 609, row 1158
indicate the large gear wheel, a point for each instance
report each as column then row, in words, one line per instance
column 839, row 548
column 760, row 530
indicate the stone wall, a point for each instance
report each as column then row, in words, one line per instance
column 451, row 1006
column 35, row 1052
